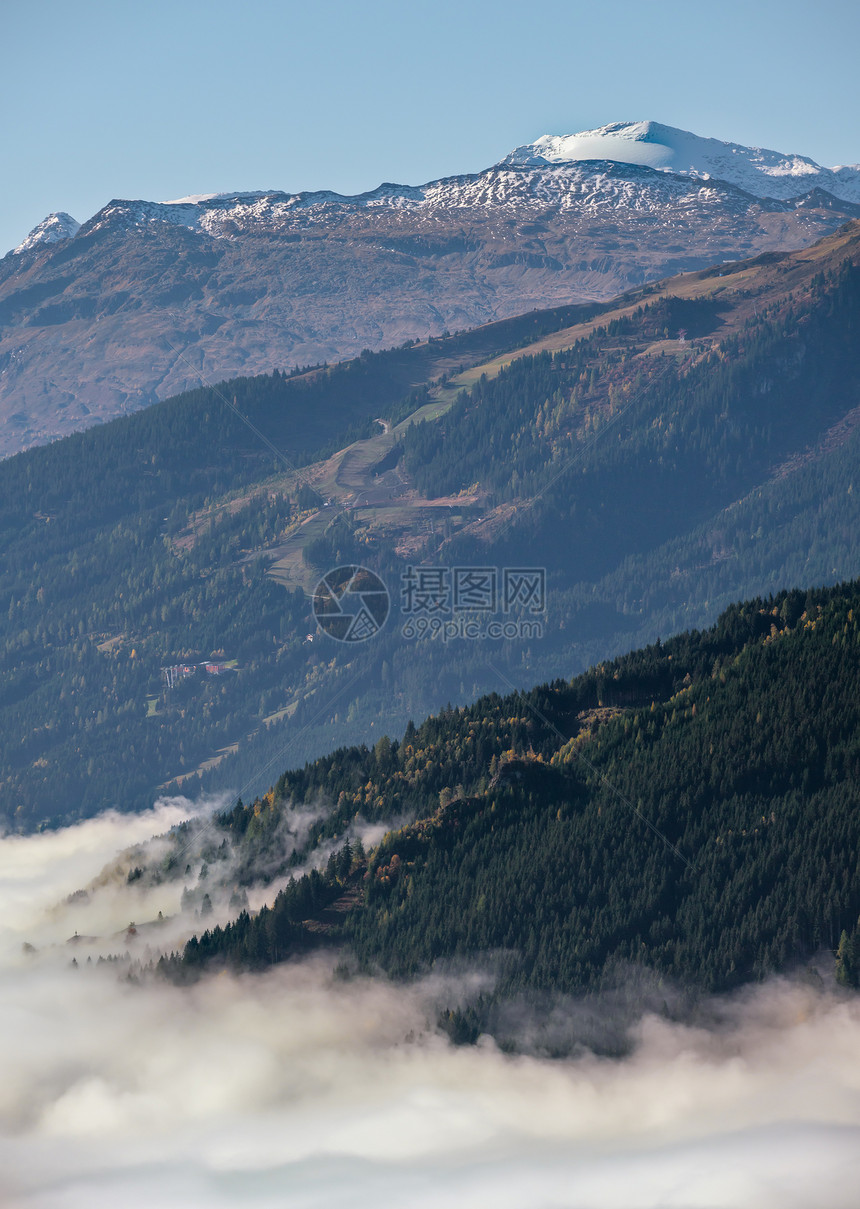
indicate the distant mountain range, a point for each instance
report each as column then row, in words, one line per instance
column 146, row 298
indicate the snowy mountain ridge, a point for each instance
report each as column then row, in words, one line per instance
column 602, row 186
column 94, row 320
column 640, row 164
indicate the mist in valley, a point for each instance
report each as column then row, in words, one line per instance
column 299, row 1087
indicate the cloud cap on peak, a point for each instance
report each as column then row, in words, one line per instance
column 757, row 170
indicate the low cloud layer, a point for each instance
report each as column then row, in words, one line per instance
column 293, row 1088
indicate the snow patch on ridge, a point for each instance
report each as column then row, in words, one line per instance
column 192, row 199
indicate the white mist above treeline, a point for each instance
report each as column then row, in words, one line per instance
column 756, row 170
column 295, row 1087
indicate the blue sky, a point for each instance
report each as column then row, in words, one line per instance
column 158, row 100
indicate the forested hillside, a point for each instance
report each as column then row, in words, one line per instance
column 676, row 478
column 691, row 808
column 681, row 442
column 97, row 598
column 689, row 445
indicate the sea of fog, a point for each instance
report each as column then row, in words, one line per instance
column 295, row 1088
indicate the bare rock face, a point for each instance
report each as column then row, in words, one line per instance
column 146, row 299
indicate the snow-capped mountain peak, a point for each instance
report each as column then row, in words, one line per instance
column 756, row 170
column 50, row 230
column 270, row 277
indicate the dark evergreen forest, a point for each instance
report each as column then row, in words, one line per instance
column 691, row 808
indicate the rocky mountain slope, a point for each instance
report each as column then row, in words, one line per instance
column 145, row 298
